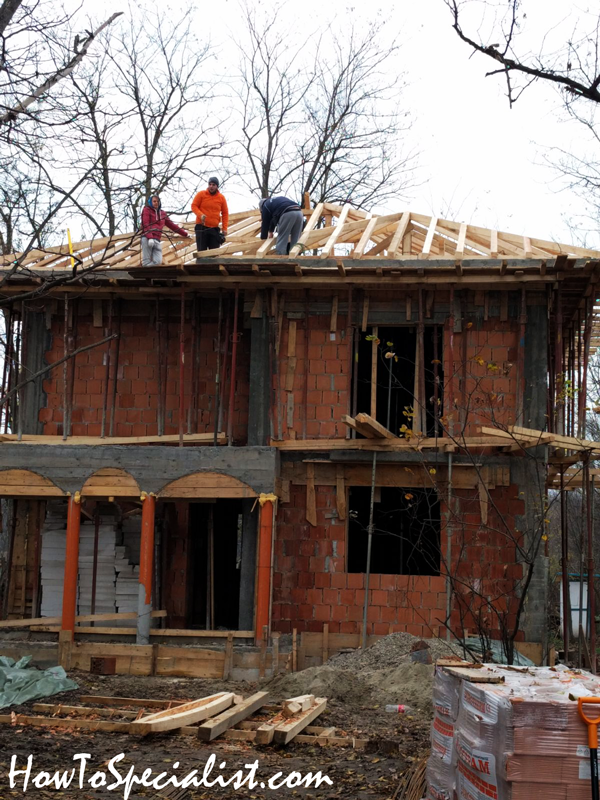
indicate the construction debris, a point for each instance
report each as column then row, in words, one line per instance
column 222, row 714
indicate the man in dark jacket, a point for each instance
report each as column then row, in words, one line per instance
column 286, row 216
column 153, row 222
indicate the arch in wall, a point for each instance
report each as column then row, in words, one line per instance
column 110, row 482
column 25, row 483
column 210, row 485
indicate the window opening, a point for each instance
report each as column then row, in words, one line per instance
column 396, row 351
column 406, row 536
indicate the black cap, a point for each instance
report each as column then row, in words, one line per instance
column 214, row 180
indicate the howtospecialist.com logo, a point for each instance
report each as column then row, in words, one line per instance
column 23, row 777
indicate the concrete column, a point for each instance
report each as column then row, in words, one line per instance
column 263, row 589
column 71, row 569
column 146, row 569
column 248, row 566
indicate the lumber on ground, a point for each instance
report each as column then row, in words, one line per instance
column 187, row 714
column 214, row 727
column 83, row 711
column 143, row 702
column 295, row 705
column 286, row 731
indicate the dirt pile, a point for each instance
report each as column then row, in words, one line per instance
column 384, row 673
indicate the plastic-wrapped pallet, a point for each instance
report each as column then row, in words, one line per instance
column 521, row 739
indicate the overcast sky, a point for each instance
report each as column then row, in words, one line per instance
column 479, row 159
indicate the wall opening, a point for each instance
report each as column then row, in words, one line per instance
column 406, row 536
column 396, row 388
column 215, row 548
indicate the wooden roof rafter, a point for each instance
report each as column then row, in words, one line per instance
column 345, row 232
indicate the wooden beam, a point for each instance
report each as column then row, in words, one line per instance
column 378, row 430
column 191, row 438
column 395, row 246
column 359, row 250
column 214, row 727
column 310, row 225
column 187, row 714
column 28, row 623
column 337, row 231
column 286, row 731
column 334, row 314
column 142, row 702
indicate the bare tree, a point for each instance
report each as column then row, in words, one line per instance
column 36, row 55
column 573, row 66
column 322, row 119
column 272, row 88
column 350, row 147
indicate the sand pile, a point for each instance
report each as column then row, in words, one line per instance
column 384, row 673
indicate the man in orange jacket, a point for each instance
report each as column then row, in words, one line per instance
column 210, row 208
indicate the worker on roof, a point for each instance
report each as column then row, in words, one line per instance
column 153, row 221
column 285, row 215
column 210, row 208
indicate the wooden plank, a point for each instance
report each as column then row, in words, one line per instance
column 27, row 623
column 474, row 675
column 291, row 349
column 395, row 246
column 365, row 314
column 262, row 666
column 275, row 654
column 336, row 233
column 214, row 727
column 187, row 714
column 359, row 250
column 83, row 711
column 296, row 705
column 311, row 499
column 193, row 438
column 142, row 702
column 374, row 364
column 286, row 731
column 310, row 225
column 340, row 492
column 378, row 430
column 264, row 734
column 325, row 642
column 426, row 251
column 228, row 663
column 295, row 650
column 334, row 314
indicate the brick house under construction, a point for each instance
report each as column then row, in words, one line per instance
column 239, row 442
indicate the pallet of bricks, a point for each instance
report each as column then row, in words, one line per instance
column 509, row 733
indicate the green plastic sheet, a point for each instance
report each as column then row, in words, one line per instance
column 20, row 683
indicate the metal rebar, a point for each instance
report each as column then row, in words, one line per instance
column 369, row 544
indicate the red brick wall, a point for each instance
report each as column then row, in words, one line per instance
column 311, row 585
column 484, row 375
column 137, row 384
column 327, row 382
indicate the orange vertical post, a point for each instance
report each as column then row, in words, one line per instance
column 71, row 569
column 263, row 577
column 146, row 569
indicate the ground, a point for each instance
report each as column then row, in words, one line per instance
column 372, row 774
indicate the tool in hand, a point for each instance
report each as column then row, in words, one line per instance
column 592, row 728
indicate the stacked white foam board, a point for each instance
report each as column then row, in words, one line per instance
column 127, row 567
column 54, row 541
column 105, row 567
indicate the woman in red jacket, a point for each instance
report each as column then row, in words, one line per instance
column 153, row 222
